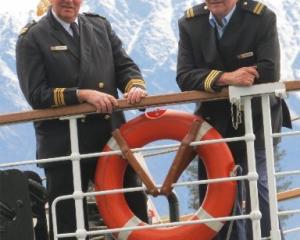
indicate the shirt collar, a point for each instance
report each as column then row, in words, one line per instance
column 225, row 20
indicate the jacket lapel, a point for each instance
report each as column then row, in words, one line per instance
column 209, row 43
column 86, row 42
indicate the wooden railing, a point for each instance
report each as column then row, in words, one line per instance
column 150, row 101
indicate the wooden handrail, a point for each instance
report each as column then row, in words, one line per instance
column 150, row 101
column 294, row 193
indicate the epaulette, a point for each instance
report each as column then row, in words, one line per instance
column 254, row 7
column 90, row 14
column 195, row 11
column 25, row 29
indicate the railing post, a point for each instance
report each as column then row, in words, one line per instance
column 75, row 155
column 76, row 170
column 267, row 123
column 255, row 213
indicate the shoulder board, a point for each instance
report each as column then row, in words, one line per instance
column 196, row 11
column 25, row 29
column 254, row 7
column 90, row 14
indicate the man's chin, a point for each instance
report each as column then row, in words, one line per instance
column 68, row 16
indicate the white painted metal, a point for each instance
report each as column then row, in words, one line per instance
column 287, row 173
column 78, row 194
column 266, row 110
column 236, row 94
column 162, row 225
column 255, row 213
column 75, row 157
column 170, row 147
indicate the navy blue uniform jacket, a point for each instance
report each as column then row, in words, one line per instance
column 51, row 67
column 250, row 39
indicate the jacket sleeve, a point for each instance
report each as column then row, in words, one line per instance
column 127, row 72
column 267, row 49
column 31, row 71
column 192, row 75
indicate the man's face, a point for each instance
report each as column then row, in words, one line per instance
column 220, row 8
column 66, row 10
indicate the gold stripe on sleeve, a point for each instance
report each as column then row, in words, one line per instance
column 61, row 96
column 55, row 97
column 134, row 82
column 208, row 80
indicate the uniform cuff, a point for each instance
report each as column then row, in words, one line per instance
column 135, row 83
column 64, row 96
column 209, row 81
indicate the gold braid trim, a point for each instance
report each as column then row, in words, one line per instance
column 210, row 79
column 133, row 82
column 58, row 95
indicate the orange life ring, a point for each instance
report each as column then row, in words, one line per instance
column 149, row 127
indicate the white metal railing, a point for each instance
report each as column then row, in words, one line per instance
column 237, row 95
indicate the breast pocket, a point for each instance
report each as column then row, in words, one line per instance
column 246, row 59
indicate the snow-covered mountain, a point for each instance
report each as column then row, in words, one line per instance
column 149, row 31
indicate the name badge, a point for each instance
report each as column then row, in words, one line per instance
column 245, row 55
column 59, row 48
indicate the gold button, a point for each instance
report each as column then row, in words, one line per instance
column 245, row 3
column 82, row 120
column 205, row 7
column 106, row 117
column 101, row 85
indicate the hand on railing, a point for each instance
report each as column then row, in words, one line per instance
column 244, row 76
column 135, row 95
column 103, row 102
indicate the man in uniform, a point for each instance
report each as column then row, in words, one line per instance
column 67, row 58
column 233, row 43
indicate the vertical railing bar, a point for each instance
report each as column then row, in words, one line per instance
column 266, row 111
column 77, row 178
column 255, row 213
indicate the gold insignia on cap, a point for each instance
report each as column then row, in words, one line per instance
column 245, row 3
column 205, row 7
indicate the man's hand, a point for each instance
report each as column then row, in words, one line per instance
column 103, row 102
column 135, row 95
column 244, row 76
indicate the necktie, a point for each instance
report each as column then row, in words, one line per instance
column 75, row 31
